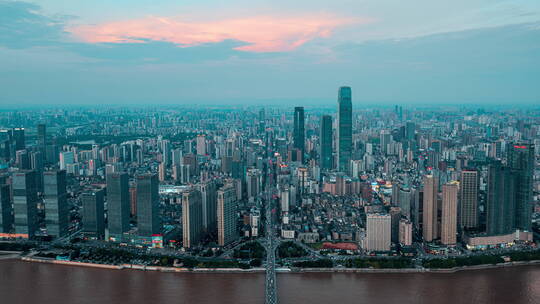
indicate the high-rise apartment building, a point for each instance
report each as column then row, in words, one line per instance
column 226, row 215
column 378, row 232
column 208, row 191
column 192, row 215
column 469, row 199
column 449, row 213
column 430, row 208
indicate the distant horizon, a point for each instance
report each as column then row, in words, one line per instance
column 357, row 105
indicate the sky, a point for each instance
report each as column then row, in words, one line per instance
column 253, row 52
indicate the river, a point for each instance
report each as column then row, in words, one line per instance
column 37, row 283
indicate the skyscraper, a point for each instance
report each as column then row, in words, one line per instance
column 55, row 201
column 209, row 205
column 226, row 214
column 378, row 232
column 118, row 204
column 521, row 161
column 469, row 199
column 449, row 213
column 326, row 142
column 500, row 199
column 430, row 208
column 93, row 213
column 6, row 210
column 191, row 218
column 148, row 205
column 41, row 136
column 299, row 130
column 344, row 128
column 25, row 203
column 19, row 138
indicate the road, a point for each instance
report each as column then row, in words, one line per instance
column 271, row 244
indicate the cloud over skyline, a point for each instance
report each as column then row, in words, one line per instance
column 265, row 33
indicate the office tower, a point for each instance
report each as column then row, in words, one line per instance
column 25, row 203
column 344, row 128
column 118, row 204
column 299, row 131
column 395, row 216
column 93, row 213
column 201, row 144
column 378, row 232
column 469, row 199
column 410, row 129
column 326, row 142
column 41, row 137
column 449, row 213
column 66, row 158
column 405, row 232
column 191, row 218
column 430, row 208
column 6, row 209
column 226, row 215
column 19, row 138
column 521, row 162
column 501, row 199
column 55, row 201
column 148, row 222
column 208, row 191
column 23, row 160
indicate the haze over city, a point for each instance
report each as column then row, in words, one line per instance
column 348, row 151
column 268, row 52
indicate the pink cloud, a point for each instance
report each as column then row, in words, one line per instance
column 263, row 33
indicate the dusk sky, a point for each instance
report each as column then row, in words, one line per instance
column 125, row 52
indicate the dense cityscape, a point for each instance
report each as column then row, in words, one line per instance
column 218, row 187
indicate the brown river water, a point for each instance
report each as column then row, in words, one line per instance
column 36, row 283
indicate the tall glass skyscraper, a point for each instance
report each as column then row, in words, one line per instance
column 299, row 130
column 500, row 199
column 118, row 204
column 148, row 205
column 25, row 202
column 55, row 199
column 93, row 214
column 344, row 128
column 6, row 210
column 521, row 161
column 326, row 142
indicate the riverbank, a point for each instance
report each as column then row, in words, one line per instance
column 287, row 270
